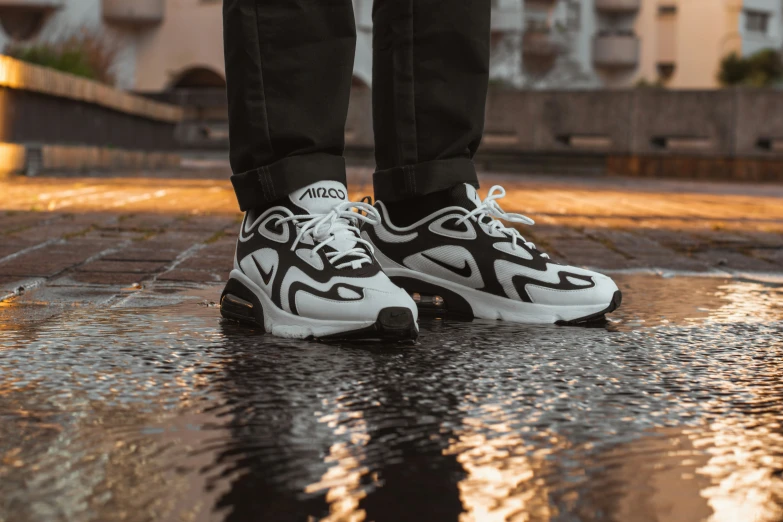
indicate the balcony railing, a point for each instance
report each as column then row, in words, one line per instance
column 40, row 5
column 616, row 50
column 24, row 19
column 618, row 6
column 539, row 41
column 133, row 12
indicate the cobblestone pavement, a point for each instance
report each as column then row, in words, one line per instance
column 179, row 227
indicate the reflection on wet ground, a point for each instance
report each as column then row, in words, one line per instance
column 146, row 406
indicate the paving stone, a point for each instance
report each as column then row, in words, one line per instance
column 14, row 246
column 604, row 224
column 210, row 263
column 140, row 252
column 677, row 240
column 729, row 259
column 206, row 223
column 53, row 259
column 174, row 240
column 222, row 249
column 767, row 239
column 552, row 231
column 17, row 222
column 106, row 278
column 773, row 256
column 586, row 252
column 194, row 276
column 8, row 282
column 643, row 251
column 145, row 222
column 143, row 267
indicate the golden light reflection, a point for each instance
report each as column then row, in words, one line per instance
column 502, row 469
column 547, row 203
column 745, row 302
column 12, row 157
column 744, row 456
column 342, row 480
column 10, row 72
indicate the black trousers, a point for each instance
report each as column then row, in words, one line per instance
column 289, row 69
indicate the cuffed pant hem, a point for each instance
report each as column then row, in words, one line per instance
column 410, row 181
column 269, row 183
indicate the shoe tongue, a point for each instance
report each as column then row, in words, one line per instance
column 465, row 196
column 320, row 197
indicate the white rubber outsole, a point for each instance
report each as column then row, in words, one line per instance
column 489, row 306
column 280, row 323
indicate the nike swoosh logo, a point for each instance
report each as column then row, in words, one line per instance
column 265, row 276
column 465, row 271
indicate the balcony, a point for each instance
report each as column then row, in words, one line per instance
column 618, row 6
column 32, row 5
column 23, row 19
column 540, row 50
column 135, row 13
column 540, row 43
column 616, row 50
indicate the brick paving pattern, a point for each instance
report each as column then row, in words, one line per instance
column 179, row 227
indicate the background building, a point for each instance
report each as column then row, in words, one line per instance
column 162, row 43
column 169, row 44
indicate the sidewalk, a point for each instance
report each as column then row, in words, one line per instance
column 179, row 227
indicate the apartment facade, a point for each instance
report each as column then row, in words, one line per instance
column 161, row 43
column 685, row 40
column 621, row 43
column 164, row 44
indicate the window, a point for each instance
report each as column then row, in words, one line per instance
column 756, row 21
column 573, row 16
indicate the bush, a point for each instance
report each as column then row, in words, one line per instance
column 84, row 54
column 763, row 69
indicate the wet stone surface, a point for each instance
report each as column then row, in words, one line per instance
column 180, row 226
column 142, row 404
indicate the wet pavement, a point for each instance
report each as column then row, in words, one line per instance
column 124, row 396
column 180, row 226
column 142, row 404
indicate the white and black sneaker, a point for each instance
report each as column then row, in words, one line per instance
column 462, row 260
column 302, row 271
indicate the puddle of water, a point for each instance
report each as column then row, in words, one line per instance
column 148, row 407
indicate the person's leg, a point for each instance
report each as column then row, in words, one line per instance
column 301, row 269
column 430, row 75
column 289, row 66
column 437, row 239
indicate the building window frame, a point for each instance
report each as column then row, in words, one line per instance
column 757, row 21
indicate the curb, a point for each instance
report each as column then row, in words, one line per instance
column 33, row 159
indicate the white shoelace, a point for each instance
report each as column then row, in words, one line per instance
column 489, row 207
column 339, row 223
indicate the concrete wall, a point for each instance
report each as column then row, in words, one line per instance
column 720, row 123
column 39, row 105
column 716, row 134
